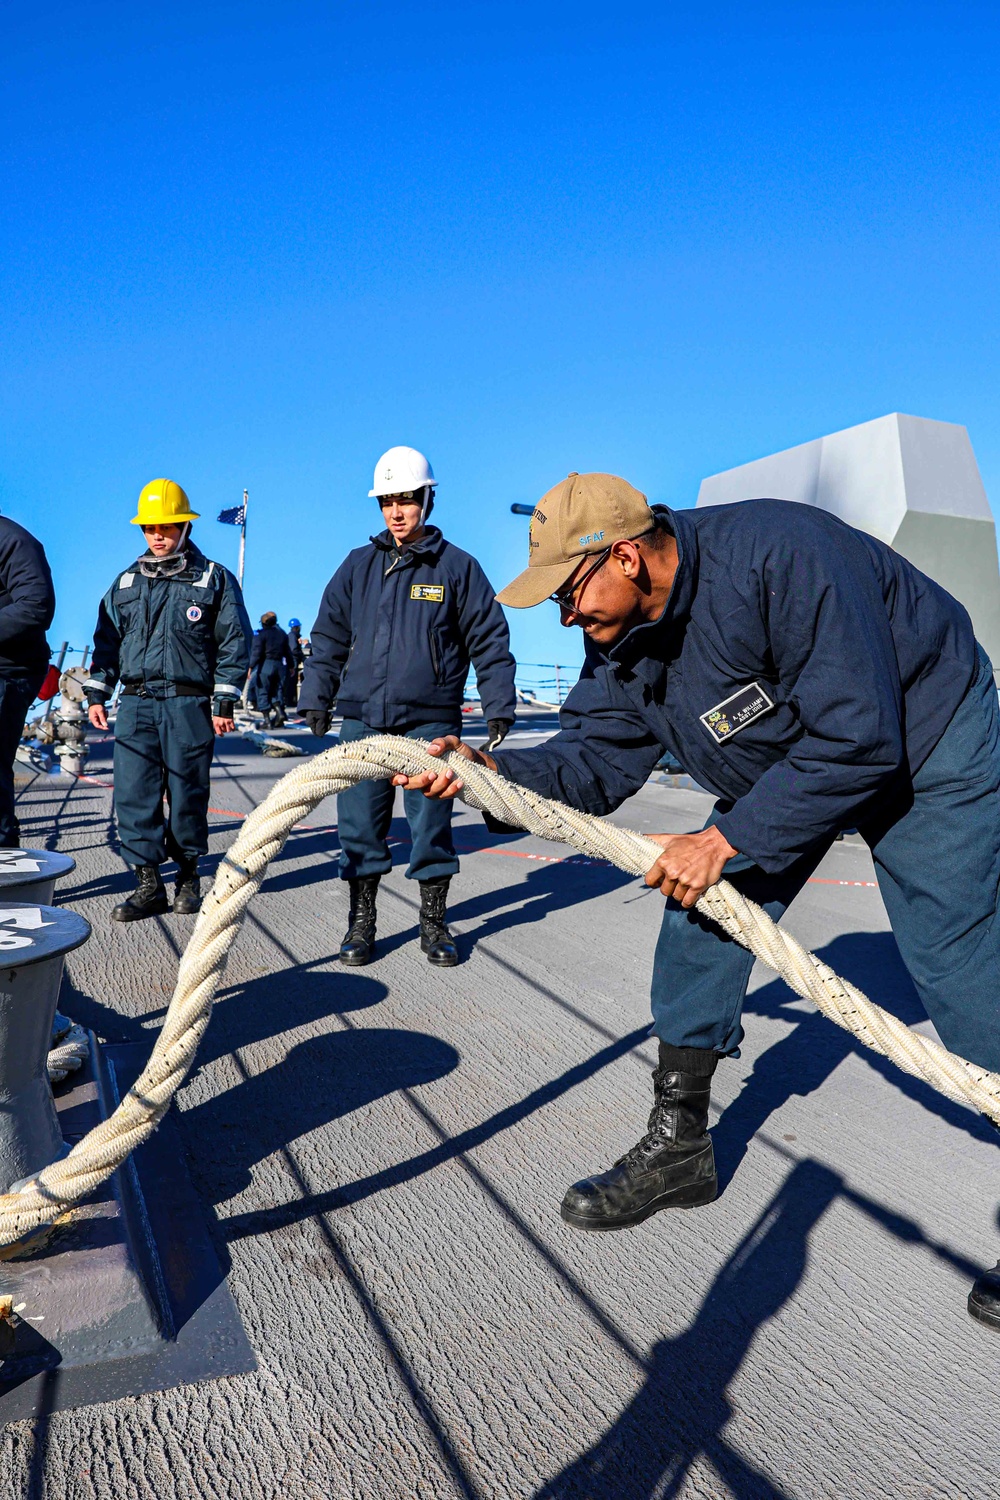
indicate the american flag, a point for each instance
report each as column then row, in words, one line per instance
column 235, row 516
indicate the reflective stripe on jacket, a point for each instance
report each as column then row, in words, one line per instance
column 187, row 633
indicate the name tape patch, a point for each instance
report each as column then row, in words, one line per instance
column 432, row 591
column 733, row 714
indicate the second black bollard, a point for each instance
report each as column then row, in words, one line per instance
column 34, row 941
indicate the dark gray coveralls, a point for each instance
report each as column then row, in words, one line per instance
column 181, row 647
column 271, row 657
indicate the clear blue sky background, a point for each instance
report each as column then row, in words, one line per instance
column 256, row 245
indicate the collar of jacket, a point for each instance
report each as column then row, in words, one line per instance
column 648, row 640
column 428, row 546
column 194, row 565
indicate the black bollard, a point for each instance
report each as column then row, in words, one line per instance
column 34, row 941
column 124, row 1292
column 31, row 874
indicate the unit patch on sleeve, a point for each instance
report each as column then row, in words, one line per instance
column 733, row 714
column 432, row 591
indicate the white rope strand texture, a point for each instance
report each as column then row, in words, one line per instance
column 64, row 1183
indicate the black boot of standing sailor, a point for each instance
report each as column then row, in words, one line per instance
column 149, row 899
column 358, row 947
column 187, row 889
column 435, row 939
column 673, row 1166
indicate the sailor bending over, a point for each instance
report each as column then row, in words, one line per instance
column 813, row 680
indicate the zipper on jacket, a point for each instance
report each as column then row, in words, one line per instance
column 432, row 643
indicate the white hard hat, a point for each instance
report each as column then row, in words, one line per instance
column 401, row 471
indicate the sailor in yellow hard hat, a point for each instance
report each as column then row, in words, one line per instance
column 173, row 629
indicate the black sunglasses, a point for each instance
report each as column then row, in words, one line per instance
column 566, row 599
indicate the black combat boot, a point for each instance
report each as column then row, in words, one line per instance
column 984, row 1299
column 187, row 887
column 149, row 899
column 358, row 946
column 435, row 939
column 673, row 1166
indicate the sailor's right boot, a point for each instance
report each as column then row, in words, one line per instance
column 187, row 890
column 358, row 946
column 673, row 1166
column 149, row 899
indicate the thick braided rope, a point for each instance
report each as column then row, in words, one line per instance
column 69, row 1056
column 93, row 1159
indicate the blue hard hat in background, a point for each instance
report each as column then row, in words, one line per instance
column 295, row 624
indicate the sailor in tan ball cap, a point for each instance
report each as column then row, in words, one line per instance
column 812, row 679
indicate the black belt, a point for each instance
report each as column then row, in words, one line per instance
column 180, row 690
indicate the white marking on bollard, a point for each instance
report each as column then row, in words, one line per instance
column 13, row 859
column 29, row 916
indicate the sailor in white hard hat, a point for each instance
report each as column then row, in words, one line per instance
column 400, row 622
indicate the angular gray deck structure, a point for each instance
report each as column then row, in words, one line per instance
column 909, row 481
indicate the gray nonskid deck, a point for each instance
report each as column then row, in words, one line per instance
column 384, row 1151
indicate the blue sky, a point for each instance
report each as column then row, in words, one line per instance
column 256, row 245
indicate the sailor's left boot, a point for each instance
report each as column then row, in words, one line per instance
column 984, row 1299
column 149, row 899
column 672, row 1166
column 435, row 939
column 187, row 889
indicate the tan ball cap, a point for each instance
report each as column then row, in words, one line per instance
column 585, row 513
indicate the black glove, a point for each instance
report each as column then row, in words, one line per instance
column 497, row 730
column 318, row 720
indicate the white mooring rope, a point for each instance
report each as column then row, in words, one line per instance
column 239, row 877
column 69, row 1054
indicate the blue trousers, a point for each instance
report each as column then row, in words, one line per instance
column 162, row 745
column 364, row 813
column 935, row 842
column 270, row 685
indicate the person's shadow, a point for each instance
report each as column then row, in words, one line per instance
column 547, row 888
column 804, row 1059
column 243, row 1013
column 682, row 1409
column 322, row 1079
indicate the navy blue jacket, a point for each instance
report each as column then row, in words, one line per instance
column 270, row 644
column 847, row 661
column 27, row 603
column 396, row 631
column 188, row 634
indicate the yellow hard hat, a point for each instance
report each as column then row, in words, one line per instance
column 165, row 502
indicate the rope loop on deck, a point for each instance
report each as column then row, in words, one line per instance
column 59, row 1186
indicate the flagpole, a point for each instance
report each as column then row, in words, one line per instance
column 243, row 538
